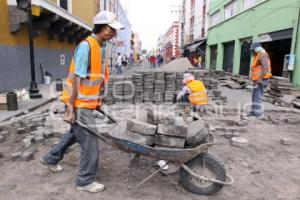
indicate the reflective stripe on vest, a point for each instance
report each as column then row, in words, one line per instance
column 89, row 88
column 258, row 72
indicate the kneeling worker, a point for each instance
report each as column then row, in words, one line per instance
column 193, row 92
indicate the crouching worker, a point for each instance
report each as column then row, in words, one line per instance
column 193, row 93
column 87, row 75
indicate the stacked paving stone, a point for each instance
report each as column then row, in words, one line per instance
column 279, row 86
column 170, row 91
column 179, row 79
column 159, row 87
column 169, row 133
column 141, row 132
column 148, row 94
column 118, row 90
column 109, row 96
column 129, row 89
column 138, row 87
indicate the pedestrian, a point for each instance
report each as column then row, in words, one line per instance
column 119, row 64
column 87, row 76
column 124, row 61
column 194, row 93
column 261, row 74
column 200, row 62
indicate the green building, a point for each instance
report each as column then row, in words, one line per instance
column 235, row 24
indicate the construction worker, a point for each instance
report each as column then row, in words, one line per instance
column 81, row 96
column 261, row 74
column 193, row 92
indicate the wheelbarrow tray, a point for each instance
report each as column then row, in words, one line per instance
column 170, row 154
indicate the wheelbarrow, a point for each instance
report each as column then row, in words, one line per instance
column 200, row 172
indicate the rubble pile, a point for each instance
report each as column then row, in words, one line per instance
column 34, row 130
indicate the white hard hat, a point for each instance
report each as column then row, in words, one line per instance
column 109, row 18
column 187, row 77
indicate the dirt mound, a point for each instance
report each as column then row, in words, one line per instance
column 178, row 65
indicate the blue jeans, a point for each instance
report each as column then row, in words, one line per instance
column 88, row 144
column 119, row 69
column 257, row 98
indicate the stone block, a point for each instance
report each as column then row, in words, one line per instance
column 27, row 155
column 4, row 133
column 172, row 130
column 286, row 141
column 169, row 141
column 157, row 117
column 239, row 142
column 16, row 155
column 48, row 134
column 26, row 143
column 197, row 131
column 39, row 139
column 21, row 131
column 141, row 127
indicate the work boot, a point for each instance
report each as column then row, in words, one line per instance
column 93, row 187
column 53, row 168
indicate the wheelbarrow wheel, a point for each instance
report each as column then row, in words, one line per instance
column 205, row 165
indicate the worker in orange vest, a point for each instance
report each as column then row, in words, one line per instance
column 194, row 92
column 88, row 73
column 260, row 75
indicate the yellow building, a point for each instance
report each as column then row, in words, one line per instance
column 58, row 26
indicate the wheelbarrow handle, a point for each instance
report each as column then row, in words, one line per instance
column 111, row 118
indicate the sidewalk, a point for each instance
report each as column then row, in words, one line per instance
column 48, row 94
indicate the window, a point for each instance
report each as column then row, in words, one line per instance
column 231, row 9
column 248, row 4
column 215, row 18
column 66, row 4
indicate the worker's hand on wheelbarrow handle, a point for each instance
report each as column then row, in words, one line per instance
column 69, row 115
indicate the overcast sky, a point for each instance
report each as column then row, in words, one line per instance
column 151, row 18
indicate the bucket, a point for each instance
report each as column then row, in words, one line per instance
column 12, row 102
column 47, row 80
column 59, row 85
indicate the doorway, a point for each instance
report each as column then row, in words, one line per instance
column 213, row 57
column 245, row 57
column 277, row 51
column 228, row 57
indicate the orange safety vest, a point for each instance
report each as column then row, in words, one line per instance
column 89, row 89
column 258, row 72
column 198, row 94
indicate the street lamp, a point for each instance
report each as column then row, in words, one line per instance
column 33, row 89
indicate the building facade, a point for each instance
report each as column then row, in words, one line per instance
column 124, row 36
column 194, row 26
column 137, row 46
column 171, row 48
column 234, row 25
column 58, row 26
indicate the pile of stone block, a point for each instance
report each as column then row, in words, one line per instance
column 179, row 79
column 118, row 90
column 129, row 89
column 109, row 96
column 279, row 87
column 170, row 91
column 159, row 87
column 138, row 87
column 148, row 94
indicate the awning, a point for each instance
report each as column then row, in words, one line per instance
column 194, row 47
column 277, row 35
column 55, row 20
